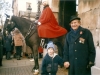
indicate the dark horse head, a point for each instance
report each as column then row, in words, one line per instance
column 28, row 28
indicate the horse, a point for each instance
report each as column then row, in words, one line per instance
column 29, row 31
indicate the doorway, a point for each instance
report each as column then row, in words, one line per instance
column 67, row 8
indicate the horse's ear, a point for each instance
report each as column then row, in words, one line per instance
column 8, row 16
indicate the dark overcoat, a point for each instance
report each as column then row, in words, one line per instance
column 1, row 45
column 79, row 50
column 8, row 41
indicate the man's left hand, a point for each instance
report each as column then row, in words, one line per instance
column 90, row 65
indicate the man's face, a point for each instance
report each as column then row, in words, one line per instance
column 75, row 24
column 44, row 3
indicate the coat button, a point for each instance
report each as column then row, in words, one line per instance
column 75, row 58
column 75, row 50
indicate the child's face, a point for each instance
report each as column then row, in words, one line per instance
column 50, row 51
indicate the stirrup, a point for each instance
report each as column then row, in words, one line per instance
column 42, row 42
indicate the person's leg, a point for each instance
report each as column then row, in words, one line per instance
column 0, row 61
column 19, row 52
column 8, row 55
column 40, row 55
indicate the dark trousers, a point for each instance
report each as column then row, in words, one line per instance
column 18, row 50
column 0, row 61
column 8, row 54
column 1, row 54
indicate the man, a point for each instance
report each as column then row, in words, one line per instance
column 47, row 24
column 18, row 42
column 79, row 50
column 8, row 41
column 1, row 47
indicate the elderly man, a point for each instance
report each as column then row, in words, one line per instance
column 79, row 50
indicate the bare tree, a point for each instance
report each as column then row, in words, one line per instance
column 5, row 7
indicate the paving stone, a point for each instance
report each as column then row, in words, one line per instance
column 22, row 67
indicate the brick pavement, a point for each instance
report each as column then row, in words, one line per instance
column 22, row 67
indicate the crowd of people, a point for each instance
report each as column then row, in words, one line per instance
column 13, row 45
column 79, row 50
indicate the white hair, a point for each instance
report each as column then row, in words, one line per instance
column 45, row 1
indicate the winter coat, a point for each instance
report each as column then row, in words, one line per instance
column 50, row 65
column 1, row 45
column 79, row 50
column 49, row 25
column 18, row 39
column 8, row 41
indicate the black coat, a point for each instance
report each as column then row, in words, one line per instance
column 50, row 65
column 8, row 41
column 79, row 50
column 1, row 45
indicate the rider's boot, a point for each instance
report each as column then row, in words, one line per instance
column 42, row 42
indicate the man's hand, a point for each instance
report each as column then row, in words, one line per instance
column 39, row 23
column 90, row 65
column 66, row 64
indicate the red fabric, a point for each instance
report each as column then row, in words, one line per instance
column 49, row 27
column 40, row 49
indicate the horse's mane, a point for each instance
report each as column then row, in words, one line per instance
column 24, row 19
column 20, row 19
column 22, row 24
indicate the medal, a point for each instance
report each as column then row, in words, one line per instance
column 81, row 40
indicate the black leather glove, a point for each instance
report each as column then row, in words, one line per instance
column 90, row 65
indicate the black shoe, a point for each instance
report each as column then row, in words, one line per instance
column 8, row 58
column 18, row 59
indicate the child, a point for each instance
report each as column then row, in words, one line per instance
column 51, row 61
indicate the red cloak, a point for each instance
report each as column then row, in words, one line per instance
column 40, row 49
column 49, row 27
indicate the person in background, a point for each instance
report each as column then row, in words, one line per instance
column 51, row 61
column 48, row 26
column 8, row 45
column 1, row 47
column 79, row 51
column 18, row 42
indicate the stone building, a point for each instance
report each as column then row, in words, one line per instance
column 89, row 11
column 20, row 8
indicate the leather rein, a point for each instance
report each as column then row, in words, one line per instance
column 30, row 33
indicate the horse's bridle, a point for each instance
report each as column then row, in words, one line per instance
column 30, row 30
column 28, row 34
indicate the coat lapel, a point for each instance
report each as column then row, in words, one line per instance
column 75, row 37
column 81, row 32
